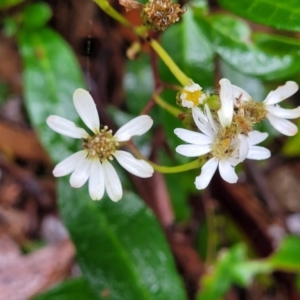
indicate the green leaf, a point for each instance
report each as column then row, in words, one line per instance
column 138, row 83
column 276, row 13
column 278, row 44
column 51, row 75
column 36, row 15
column 232, row 268
column 240, row 52
column 191, row 50
column 244, row 272
column 120, row 246
column 218, row 282
column 253, row 85
column 287, row 256
column 74, row 289
column 8, row 3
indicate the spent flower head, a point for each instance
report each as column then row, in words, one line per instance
column 158, row 15
column 99, row 148
column 270, row 109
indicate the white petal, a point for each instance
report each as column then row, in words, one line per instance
column 225, row 113
column 210, row 118
column 193, row 137
column 186, row 103
column 66, row 127
column 137, row 167
column 69, row 164
column 136, row 126
column 284, row 126
column 207, row 172
column 227, row 172
column 96, row 180
column 258, row 153
column 193, row 150
column 240, row 94
column 193, row 87
column 112, row 182
column 81, row 173
column 279, row 112
column 281, row 93
column 256, row 137
column 86, row 109
column 197, row 113
column 233, row 161
column 202, row 122
column 244, row 147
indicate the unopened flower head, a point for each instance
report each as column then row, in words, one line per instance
column 191, row 96
column 158, row 15
column 92, row 163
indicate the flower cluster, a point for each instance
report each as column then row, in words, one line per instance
column 100, row 147
column 226, row 138
column 226, row 125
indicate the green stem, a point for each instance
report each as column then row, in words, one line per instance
column 181, row 77
column 141, row 31
column 105, row 6
column 195, row 164
column 171, row 109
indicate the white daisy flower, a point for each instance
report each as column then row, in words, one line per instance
column 92, row 163
column 234, row 151
column 276, row 115
column 192, row 96
column 225, row 152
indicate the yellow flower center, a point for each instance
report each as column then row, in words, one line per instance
column 224, row 144
column 194, row 97
column 102, row 145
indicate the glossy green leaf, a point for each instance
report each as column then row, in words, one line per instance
column 214, row 285
column 191, row 50
column 51, row 75
column 120, row 246
column 287, row 256
column 8, row 3
column 232, row 41
column 244, row 272
column 278, row 44
column 276, row 13
column 138, row 84
column 36, row 15
column 74, row 289
column 232, row 268
column 253, row 85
